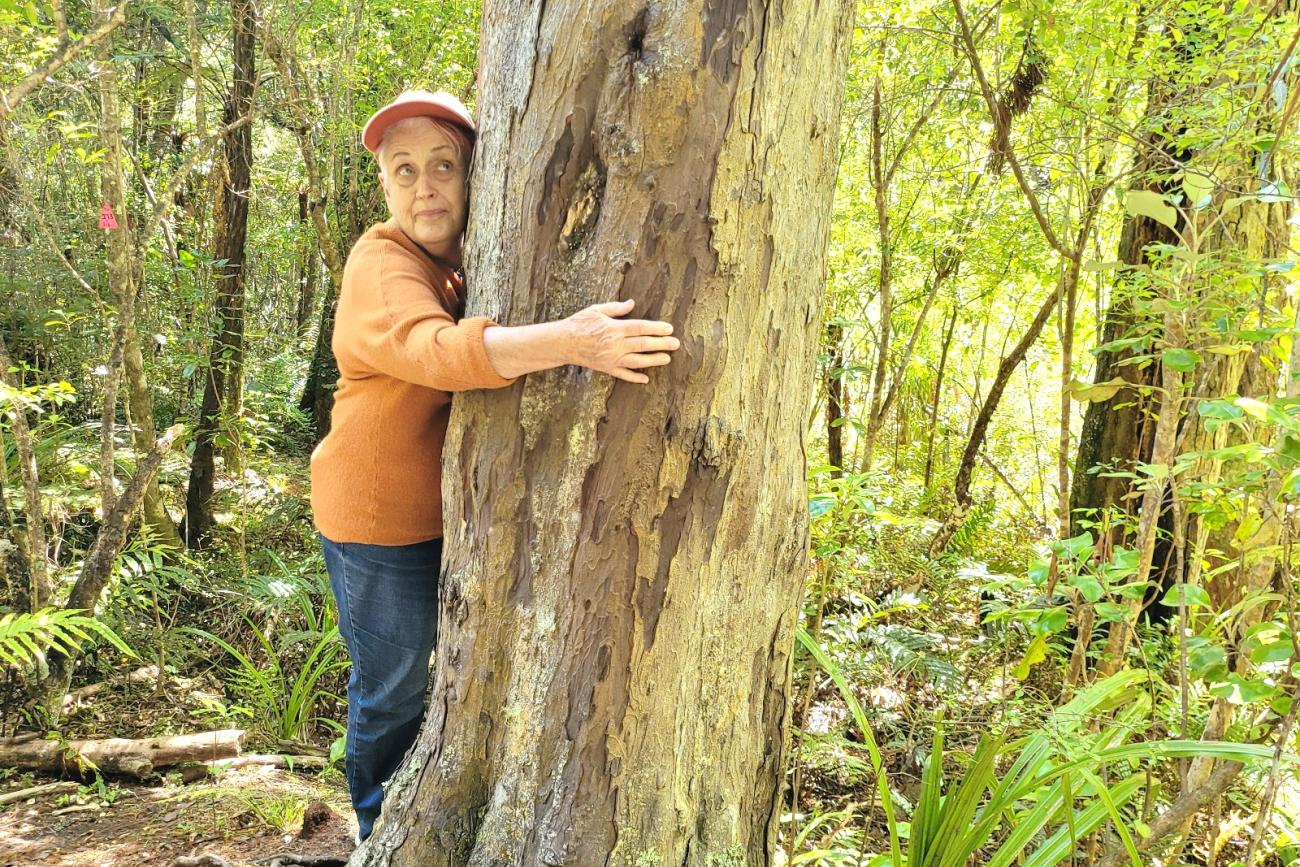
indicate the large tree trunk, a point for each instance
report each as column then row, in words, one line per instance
column 623, row 564
column 232, row 230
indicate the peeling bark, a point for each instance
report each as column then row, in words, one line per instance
column 623, row 564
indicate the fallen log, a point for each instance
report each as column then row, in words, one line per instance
column 41, row 791
column 137, row 757
column 203, row 770
column 140, row 675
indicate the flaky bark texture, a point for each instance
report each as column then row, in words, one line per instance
column 623, row 563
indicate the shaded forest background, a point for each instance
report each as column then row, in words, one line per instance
column 1052, row 470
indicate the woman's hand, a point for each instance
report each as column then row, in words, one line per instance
column 619, row 347
column 593, row 338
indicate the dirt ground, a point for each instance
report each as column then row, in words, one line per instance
column 242, row 815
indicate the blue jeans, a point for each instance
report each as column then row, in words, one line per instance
column 388, row 617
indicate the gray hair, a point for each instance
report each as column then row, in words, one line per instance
column 459, row 139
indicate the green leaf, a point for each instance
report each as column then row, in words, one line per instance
column 1207, row 660
column 1078, row 547
column 820, row 505
column 1274, row 191
column 1239, row 690
column 1038, row 572
column 1187, row 594
column 1097, row 392
column 1198, row 188
column 1034, row 654
column 1145, row 203
column 1111, row 612
column 1050, row 621
column 1219, row 409
column 1268, row 642
column 1088, row 586
column 1123, row 343
column 1228, row 348
column 868, row 737
column 1182, row 360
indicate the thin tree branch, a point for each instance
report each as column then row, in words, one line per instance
column 38, row 564
column 1187, row 805
column 166, row 199
column 972, row 53
column 61, row 58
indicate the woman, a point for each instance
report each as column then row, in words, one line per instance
column 402, row 351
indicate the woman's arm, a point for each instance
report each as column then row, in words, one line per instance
column 591, row 338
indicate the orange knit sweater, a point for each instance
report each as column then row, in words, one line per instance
column 376, row 478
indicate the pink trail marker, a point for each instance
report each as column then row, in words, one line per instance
column 106, row 218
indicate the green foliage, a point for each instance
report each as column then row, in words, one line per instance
column 25, row 637
column 285, row 696
column 1052, row 794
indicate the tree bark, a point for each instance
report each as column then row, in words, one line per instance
column 885, row 287
column 836, row 401
column 33, row 536
column 937, row 395
column 97, row 567
column 623, row 565
column 318, row 392
column 232, row 230
column 351, row 214
column 308, row 271
column 126, row 272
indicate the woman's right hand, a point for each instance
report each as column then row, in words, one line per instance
column 620, row 347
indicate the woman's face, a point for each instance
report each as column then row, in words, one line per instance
column 423, row 176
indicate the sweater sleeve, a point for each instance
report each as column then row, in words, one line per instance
column 401, row 328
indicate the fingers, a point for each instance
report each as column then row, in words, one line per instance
column 629, row 375
column 614, row 308
column 632, row 327
column 651, row 344
column 640, row 327
column 644, row 359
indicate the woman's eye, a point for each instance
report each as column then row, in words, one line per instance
column 405, row 170
column 445, row 166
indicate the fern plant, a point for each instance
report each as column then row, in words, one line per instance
column 26, row 637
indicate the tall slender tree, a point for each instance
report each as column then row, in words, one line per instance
column 231, row 234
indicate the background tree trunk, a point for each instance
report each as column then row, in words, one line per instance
column 232, row 230
column 836, row 399
column 623, row 565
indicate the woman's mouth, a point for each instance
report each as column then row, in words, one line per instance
column 431, row 213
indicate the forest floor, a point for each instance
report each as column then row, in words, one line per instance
column 239, row 814
column 243, row 815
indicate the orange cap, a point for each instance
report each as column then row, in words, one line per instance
column 415, row 103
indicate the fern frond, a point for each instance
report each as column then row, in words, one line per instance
column 24, row 637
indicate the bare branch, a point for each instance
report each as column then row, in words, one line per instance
column 999, row 122
column 1187, row 805
column 112, row 536
column 61, row 58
